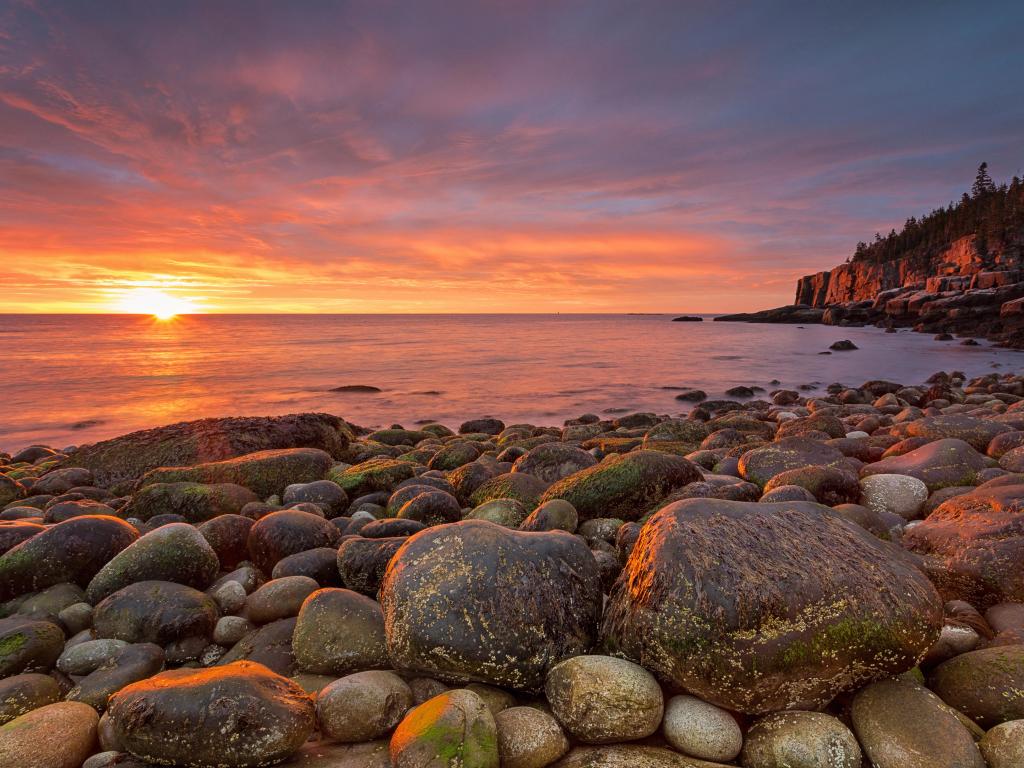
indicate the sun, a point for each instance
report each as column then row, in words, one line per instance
column 153, row 301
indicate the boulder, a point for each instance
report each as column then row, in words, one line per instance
column 604, row 700
column 827, row 485
column 977, row 433
column 376, row 474
column 228, row 535
column 529, row 738
column 1003, row 746
column 279, row 598
column 28, row 645
column 23, row 693
column 194, row 442
column 181, row 717
column 363, row 562
column 195, row 502
column 176, row 552
column 759, row 465
column 326, row 494
column 801, row 740
column 901, row 495
column 155, row 612
column 625, row 485
column 363, row 706
column 339, row 632
column 702, row 730
column 760, row 607
column 284, row 533
column 60, row 735
column 475, row 601
column 551, row 462
column 132, row 663
column 73, row 551
column 452, row 730
column 973, row 545
column 904, row 725
column 270, row 645
column 987, row 685
column 266, row 473
column 511, row 485
column 938, row 464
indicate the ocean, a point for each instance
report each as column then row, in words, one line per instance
column 73, row 379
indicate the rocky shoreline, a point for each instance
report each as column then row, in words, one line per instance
column 787, row 581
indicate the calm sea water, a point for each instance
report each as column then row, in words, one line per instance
column 68, row 379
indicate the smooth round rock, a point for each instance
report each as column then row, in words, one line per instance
column 603, row 700
column 339, row 632
column 28, row 645
column 240, row 715
column 279, row 598
column 1003, row 746
column 284, row 533
column 554, row 515
column 363, row 706
column 799, row 739
column 23, row 693
column 987, row 685
column 702, row 730
column 155, row 612
column 453, row 730
column 529, row 738
column 901, row 724
column 60, row 735
column 83, row 658
column 901, row 495
column 326, row 494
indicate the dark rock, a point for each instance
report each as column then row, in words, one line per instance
column 486, row 426
column 284, row 533
column 939, row 464
column 320, row 564
column 551, row 462
column 228, row 535
column 827, row 485
column 760, row 465
column 431, row 508
column 155, row 612
column 132, row 663
column 28, row 645
column 987, row 685
column 843, row 607
column 359, row 388
column 270, row 645
column 511, row 485
column 688, row 319
column 376, row 474
column 339, row 632
column 362, row 562
column 502, row 605
column 844, row 345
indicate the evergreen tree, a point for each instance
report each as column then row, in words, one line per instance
column 983, row 183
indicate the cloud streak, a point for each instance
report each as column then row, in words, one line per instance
column 529, row 156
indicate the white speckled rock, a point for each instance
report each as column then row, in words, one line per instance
column 702, row 730
column 602, row 699
column 363, row 706
column 529, row 738
column 798, row 739
column 1003, row 746
column 901, row 495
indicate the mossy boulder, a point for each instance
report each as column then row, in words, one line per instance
column 13, row 532
column 196, row 442
column 625, row 486
column 987, row 685
column 73, row 551
column 976, row 432
column 339, row 632
column 155, row 612
column 760, row 607
column 551, row 462
column 973, row 545
column 431, row 507
column 939, row 464
column 761, row 464
column 266, row 473
column 327, row 495
column 182, row 716
column 23, row 693
column 467, row 478
column 475, row 601
column 176, row 552
column 377, row 474
column 828, row 485
column 508, row 512
column 196, row 502
column 510, row 485
column 398, row 436
column 28, row 645
column 284, row 533
column 454, row 455
column 452, row 730
column 10, row 490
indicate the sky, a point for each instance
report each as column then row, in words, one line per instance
column 481, row 156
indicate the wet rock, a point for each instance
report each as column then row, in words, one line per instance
column 195, row 502
column 60, row 481
column 180, row 716
column 72, row 551
column 1003, row 746
column 554, row 515
column 938, row 464
column 508, row 512
column 23, row 693
column 284, row 533
column 973, row 545
column 904, row 725
column 326, row 494
column 48, row 604
column 391, row 527
column 759, row 465
column 485, row 426
column 529, row 738
column 843, row 607
column 377, row 474
column 511, row 485
column 624, row 485
column 229, row 537
column 628, row 756
column 83, row 658
column 603, row 700
column 60, row 735
column 453, row 455
column 702, row 730
column 431, row 508
column 65, row 510
column 363, row 706
column 987, row 685
column 801, row 740
column 901, row 495
column 279, row 599
column 827, row 485
column 129, row 665
column 784, row 493
column 13, row 532
column 977, row 433
column 474, row 601
column 266, row 473
column 451, row 730
column 28, row 645
column 320, row 564
column 551, row 462
column 844, row 345
column 270, row 645
column 363, row 562
column 176, row 552
column 339, row 632
column 231, row 629
column 155, row 612
column 195, row 442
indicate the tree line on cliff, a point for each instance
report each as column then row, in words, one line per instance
column 995, row 213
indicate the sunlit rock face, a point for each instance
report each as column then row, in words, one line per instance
column 182, row 716
column 475, row 601
column 761, row 607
